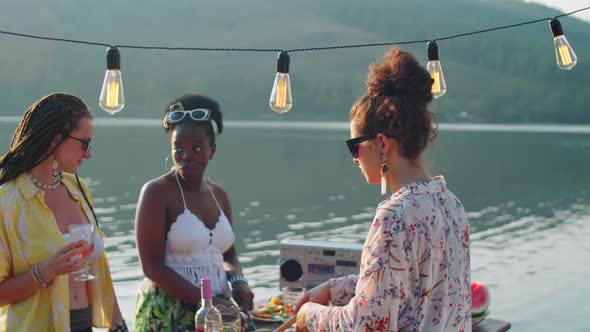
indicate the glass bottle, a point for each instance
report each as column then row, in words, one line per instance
column 207, row 318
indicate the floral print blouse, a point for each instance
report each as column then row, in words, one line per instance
column 415, row 270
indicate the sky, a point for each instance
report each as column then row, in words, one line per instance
column 568, row 6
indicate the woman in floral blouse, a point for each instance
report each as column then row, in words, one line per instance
column 415, row 270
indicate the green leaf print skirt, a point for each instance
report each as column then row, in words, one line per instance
column 158, row 311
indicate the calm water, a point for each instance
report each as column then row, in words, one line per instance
column 525, row 189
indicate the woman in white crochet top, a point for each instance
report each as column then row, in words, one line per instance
column 183, row 226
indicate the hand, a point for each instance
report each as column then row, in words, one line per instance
column 319, row 294
column 243, row 295
column 300, row 325
column 67, row 259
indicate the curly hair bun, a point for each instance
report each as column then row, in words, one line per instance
column 399, row 74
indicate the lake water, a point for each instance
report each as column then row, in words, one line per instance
column 525, row 189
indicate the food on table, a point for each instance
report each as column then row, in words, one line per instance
column 269, row 311
column 480, row 299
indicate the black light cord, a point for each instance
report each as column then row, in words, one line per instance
column 309, row 49
column 17, row 34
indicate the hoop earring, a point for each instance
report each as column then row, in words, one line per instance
column 166, row 169
column 384, row 170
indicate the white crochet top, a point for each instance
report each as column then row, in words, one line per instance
column 195, row 251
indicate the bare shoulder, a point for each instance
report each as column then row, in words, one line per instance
column 217, row 189
column 159, row 186
column 220, row 195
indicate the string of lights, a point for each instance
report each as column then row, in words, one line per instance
column 112, row 99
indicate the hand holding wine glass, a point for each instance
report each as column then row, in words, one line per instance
column 67, row 259
column 84, row 232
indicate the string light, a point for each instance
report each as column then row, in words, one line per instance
column 281, row 100
column 439, row 86
column 566, row 58
column 112, row 99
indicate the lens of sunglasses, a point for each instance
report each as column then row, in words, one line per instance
column 353, row 147
column 176, row 116
column 85, row 144
column 355, row 150
column 199, row 115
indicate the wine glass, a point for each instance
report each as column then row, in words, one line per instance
column 83, row 232
column 291, row 296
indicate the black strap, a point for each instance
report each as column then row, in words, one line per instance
column 87, row 201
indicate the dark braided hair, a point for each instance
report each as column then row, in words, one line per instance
column 396, row 103
column 54, row 114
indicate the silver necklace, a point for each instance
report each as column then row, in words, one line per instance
column 43, row 186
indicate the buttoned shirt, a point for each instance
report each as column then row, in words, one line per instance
column 29, row 235
column 415, row 269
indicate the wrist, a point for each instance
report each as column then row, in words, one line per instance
column 38, row 278
column 46, row 272
column 235, row 279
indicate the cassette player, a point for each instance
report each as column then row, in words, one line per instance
column 306, row 263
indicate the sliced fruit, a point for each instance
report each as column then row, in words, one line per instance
column 480, row 299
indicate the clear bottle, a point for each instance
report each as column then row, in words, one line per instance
column 207, row 318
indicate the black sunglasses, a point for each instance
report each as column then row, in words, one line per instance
column 354, row 143
column 85, row 143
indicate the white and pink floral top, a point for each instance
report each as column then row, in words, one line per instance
column 415, row 271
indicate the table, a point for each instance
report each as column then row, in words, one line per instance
column 492, row 325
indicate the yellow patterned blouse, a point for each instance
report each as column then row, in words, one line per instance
column 29, row 235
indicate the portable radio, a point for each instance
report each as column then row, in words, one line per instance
column 305, row 263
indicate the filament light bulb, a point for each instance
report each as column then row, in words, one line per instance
column 112, row 99
column 566, row 58
column 280, row 97
column 439, row 86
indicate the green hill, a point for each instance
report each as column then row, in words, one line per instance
column 502, row 76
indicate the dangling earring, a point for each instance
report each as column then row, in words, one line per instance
column 384, row 170
column 55, row 175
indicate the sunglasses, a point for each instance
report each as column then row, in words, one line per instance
column 85, row 143
column 354, row 143
column 177, row 114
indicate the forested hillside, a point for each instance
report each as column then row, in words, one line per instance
column 502, row 76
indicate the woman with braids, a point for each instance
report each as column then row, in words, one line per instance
column 415, row 269
column 40, row 196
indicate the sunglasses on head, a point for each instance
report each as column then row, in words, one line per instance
column 354, row 143
column 85, row 143
column 177, row 114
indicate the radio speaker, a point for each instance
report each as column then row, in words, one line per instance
column 305, row 263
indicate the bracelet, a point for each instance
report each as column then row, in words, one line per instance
column 237, row 278
column 37, row 277
column 120, row 327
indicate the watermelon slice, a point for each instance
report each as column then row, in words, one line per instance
column 480, row 299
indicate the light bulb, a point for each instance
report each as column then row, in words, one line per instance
column 566, row 58
column 439, row 86
column 111, row 97
column 280, row 97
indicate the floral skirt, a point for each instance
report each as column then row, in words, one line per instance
column 156, row 310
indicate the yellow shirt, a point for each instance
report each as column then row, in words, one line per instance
column 29, row 235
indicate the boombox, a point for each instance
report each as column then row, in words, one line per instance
column 309, row 263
